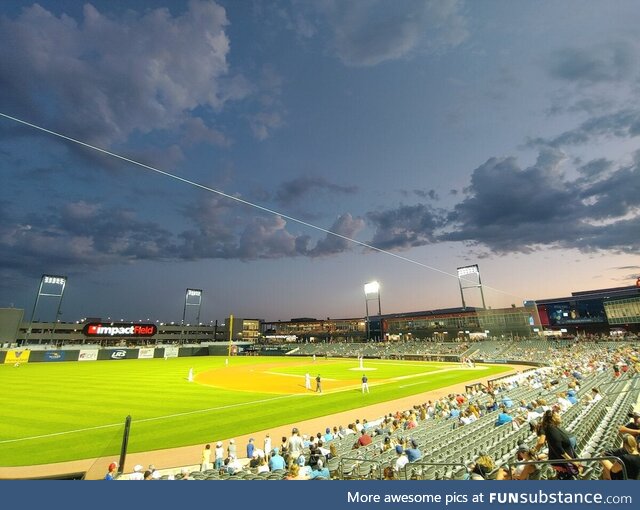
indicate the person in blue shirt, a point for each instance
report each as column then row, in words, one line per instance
column 504, row 417
column 250, row 448
column 112, row 473
column 507, row 402
column 571, row 397
column 276, row 461
column 413, row 452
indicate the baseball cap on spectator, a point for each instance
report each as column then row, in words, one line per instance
column 219, row 444
column 137, row 468
column 112, row 466
column 398, row 449
column 156, row 475
column 275, row 451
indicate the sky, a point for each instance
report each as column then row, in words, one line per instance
column 436, row 134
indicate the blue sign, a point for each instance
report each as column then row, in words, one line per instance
column 54, row 356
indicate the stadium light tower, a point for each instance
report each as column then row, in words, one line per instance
column 371, row 291
column 50, row 286
column 463, row 274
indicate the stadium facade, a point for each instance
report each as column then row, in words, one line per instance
column 595, row 312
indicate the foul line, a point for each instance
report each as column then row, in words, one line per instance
column 144, row 420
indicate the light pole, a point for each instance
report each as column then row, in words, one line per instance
column 371, row 291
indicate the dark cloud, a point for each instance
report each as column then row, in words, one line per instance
column 297, row 189
column 347, row 226
column 595, row 168
column 404, row 227
column 621, row 124
column 607, row 63
column 80, row 236
column 509, row 209
column 431, row 194
column 222, row 233
column 103, row 78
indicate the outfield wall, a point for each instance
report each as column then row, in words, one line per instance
column 13, row 356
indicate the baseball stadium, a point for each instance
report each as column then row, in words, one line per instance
column 460, row 393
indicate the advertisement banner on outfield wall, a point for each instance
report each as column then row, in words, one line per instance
column 54, row 356
column 88, row 355
column 17, row 356
column 171, row 352
column 146, row 353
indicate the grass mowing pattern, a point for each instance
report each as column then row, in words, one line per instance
column 167, row 411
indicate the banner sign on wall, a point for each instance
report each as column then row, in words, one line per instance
column 146, row 353
column 88, row 355
column 171, row 352
column 54, row 356
column 17, row 356
column 96, row 329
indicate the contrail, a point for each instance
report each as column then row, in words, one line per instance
column 240, row 200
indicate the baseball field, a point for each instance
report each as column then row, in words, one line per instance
column 54, row 412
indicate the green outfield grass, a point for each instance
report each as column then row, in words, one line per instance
column 53, row 412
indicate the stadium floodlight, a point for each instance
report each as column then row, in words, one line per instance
column 371, row 291
column 465, row 271
column 371, row 288
column 193, row 297
column 50, row 286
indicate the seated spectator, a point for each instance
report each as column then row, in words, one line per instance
column 276, row 461
column 295, row 474
column 521, row 471
column 304, row 469
column 563, row 402
column 401, row 461
column 255, row 460
column 482, row 468
column 320, row 472
column 595, row 395
column 263, row 467
column 364, row 439
column 633, row 427
column 413, row 453
column 137, row 473
column 389, row 474
column 503, row 417
column 629, row 457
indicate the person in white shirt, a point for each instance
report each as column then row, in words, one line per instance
column 401, row 461
column 137, row 473
column 267, row 443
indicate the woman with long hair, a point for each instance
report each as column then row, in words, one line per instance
column 560, row 444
